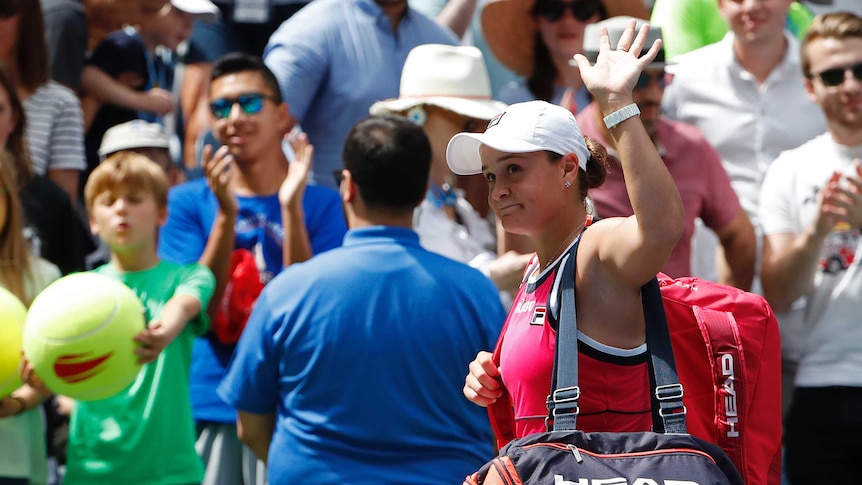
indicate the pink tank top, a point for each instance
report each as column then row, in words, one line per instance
column 614, row 382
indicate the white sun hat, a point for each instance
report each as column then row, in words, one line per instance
column 524, row 127
column 450, row 77
column 201, row 9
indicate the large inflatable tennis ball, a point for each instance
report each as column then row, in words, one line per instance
column 12, row 315
column 79, row 336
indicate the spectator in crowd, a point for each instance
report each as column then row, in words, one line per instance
column 52, row 227
column 694, row 165
column 746, row 96
column 107, row 16
column 144, row 434
column 692, row 24
column 539, row 170
column 537, row 38
column 22, row 432
column 66, row 31
column 148, row 139
column 255, row 218
column 445, row 90
column 348, row 371
column 454, row 14
column 241, row 27
column 54, row 131
column 811, row 210
column 130, row 74
column 827, row 6
column 335, row 58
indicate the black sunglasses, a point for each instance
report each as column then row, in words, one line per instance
column 646, row 79
column 583, row 11
column 835, row 76
column 250, row 104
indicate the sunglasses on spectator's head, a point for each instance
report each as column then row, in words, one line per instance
column 647, row 78
column 250, row 104
column 835, row 76
column 583, row 11
column 338, row 175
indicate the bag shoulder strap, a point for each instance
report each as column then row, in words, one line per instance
column 667, row 396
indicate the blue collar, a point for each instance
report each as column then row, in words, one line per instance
column 375, row 234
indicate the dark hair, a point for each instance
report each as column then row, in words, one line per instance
column 235, row 62
column 389, row 158
column 542, row 79
column 31, row 56
column 16, row 145
column 597, row 166
column 838, row 25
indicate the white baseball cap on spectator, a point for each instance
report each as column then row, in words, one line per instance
column 201, row 9
column 133, row 134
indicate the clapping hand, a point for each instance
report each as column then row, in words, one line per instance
column 218, row 170
column 293, row 187
column 841, row 201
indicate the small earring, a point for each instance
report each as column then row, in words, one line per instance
column 568, row 184
column 417, row 115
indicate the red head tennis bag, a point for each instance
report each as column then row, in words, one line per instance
column 732, row 336
column 565, row 456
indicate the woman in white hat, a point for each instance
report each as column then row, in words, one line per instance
column 539, row 169
column 445, row 90
column 537, row 38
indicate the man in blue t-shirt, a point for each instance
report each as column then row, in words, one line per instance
column 250, row 217
column 351, row 367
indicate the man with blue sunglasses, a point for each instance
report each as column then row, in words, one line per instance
column 248, row 219
column 692, row 162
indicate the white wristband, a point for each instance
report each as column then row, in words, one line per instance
column 621, row 115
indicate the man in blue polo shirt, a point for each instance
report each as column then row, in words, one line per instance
column 350, row 369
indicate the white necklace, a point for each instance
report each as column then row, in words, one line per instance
column 564, row 244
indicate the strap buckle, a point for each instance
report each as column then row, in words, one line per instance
column 669, row 392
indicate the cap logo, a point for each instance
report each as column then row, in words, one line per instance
column 495, row 120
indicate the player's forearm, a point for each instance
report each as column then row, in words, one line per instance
column 652, row 191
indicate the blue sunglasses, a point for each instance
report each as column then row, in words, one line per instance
column 250, row 104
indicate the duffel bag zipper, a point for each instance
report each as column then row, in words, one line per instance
column 576, row 452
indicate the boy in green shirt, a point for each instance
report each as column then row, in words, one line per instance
column 145, row 434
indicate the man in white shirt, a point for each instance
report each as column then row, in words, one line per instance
column 746, row 95
column 811, row 211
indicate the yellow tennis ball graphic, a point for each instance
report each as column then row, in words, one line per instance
column 12, row 315
column 79, row 336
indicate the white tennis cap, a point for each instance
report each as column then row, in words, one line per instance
column 524, row 127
